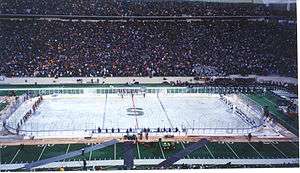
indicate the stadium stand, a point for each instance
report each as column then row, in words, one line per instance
column 142, row 8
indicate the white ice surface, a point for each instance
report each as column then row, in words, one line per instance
column 80, row 112
column 20, row 112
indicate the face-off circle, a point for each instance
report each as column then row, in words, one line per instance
column 135, row 111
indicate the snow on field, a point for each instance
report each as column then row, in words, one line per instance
column 80, row 112
column 20, row 112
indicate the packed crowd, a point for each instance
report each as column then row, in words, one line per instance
column 58, row 48
column 138, row 8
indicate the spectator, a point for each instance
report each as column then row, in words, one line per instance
column 43, row 48
column 142, row 8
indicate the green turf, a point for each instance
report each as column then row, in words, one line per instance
column 201, row 153
column 8, row 153
column 289, row 149
column 220, row 151
column 55, row 150
column 289, row 123
column 244, row 150
column 119, row 151
column 296, row 143
column 275, row 98
column 135, row 151
column 267, row 150
column 4, row 93
column 150, row 151
column 169, row 153
column 183, row 146
column 74, row 147
column 106, row 153
column 2, row 106
column 28, row 153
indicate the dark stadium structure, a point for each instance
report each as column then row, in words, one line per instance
column 135, row 48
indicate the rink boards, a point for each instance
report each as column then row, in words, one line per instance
column 79, row 114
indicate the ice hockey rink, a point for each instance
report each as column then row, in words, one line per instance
column 85, row 112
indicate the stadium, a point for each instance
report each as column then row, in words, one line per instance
column 148, row 84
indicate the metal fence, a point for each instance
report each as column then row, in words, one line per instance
column 111, row 90
column 8, row 114
column 153, row 132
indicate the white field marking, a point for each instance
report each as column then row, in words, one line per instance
column 285, row 122
column 91, row 152
column 162, row 152
column 115, row 151
column 256, row 150
column 278, row 150
column 138, row 150
column 209, row 152
column 269, row 101
column 14, row 156
column 43, row 152
column 184, row 148
column 293, row 143
column 232, row 150
column 67, row 149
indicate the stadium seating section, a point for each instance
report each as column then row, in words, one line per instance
column 41, row 48
column 141, row 8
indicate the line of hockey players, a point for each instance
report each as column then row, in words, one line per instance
column 29, row 113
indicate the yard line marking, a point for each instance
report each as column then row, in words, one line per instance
column 232, row 150
column 184, row 148
column 104, row 113
column 90, row 156
column 162, row 152
column 294, row 144
column 115, row 151
column 14, row 156
column 67, row 150
column 209, row 152
column 256, row 150
column 269, row 101
column 278, row 150
column 138, row 150
column 164, row 109
column 43, row 151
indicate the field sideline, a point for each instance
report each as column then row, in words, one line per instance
column 213, row 150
